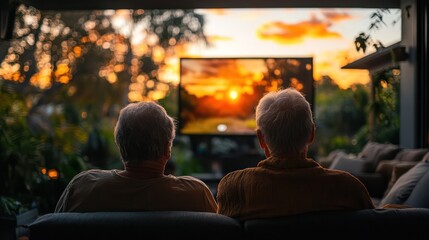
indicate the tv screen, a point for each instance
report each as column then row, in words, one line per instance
column 218, row 96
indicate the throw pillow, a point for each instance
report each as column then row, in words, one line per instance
column 419, row 198
column 385, row 167
column 353, row 165
column 375, row 152
column 397, row 171
column 405, row 184
column 411, row 155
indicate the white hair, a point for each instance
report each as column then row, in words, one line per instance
column 144, row 131
column 286, row 121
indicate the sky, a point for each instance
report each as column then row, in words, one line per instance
column 326, row 35
column 203, row 78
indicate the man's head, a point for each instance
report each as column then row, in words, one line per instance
column 144, row 131
column 285, row 121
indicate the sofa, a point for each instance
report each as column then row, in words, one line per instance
column 376, row 163
column 410, row 223
column 409, row 185
column 403, row 212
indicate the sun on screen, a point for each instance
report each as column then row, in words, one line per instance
column 233, row 95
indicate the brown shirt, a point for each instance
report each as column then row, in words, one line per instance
column 107, row 190
column 279, row 187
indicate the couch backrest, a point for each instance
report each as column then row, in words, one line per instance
column 374, row 152
column 411, row 155
column 362, row 224
column 379, row 151
column 134, row 225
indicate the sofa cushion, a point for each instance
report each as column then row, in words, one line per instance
column 397, row 171
column 385, row 167
column 411, row 155
column 328, row 160
column 419, row 197
column 379, row 151
column 134, row 225
column 405, row 184
column 352, row 165
column 375, row 152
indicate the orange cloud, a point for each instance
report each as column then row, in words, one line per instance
column 284, row 33
column 333, row 16
column 207, row 77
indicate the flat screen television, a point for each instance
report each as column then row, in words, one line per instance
column 218, row 96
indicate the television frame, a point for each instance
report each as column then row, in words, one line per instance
column 301, row 67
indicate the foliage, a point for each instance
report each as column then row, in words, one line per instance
column 339, row 115
column 385, row 103
column 119, row 53
column 71, row 72
column 20, row 153
column 386, row 106
column 10, row 206
column 342, row 115
column 364, row 40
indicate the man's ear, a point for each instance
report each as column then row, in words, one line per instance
column 262, row 143
column 312, row 134
column 261, row 139
column 167, row 154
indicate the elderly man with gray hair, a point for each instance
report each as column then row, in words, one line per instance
column 287, row 182
column 144, row 134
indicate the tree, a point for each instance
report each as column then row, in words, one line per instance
column 386, row 106
column 75, row 70
column 340, row 114
column 57, row 60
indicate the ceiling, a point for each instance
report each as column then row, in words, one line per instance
column 192, row 4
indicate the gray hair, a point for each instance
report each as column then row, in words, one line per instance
column 144, row 131
column 286, row 121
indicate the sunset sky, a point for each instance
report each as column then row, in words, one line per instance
column 213, row 77
column 327, row 35
column 232, row 77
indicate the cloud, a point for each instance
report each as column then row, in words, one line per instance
column 284, row 33
column 333, row 16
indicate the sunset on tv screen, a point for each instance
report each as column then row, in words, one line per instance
column 219, row 95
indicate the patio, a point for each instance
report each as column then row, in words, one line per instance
column 414, row 71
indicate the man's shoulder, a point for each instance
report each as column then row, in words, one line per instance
column 236, row 175
column 189, row 182
column 92, row 173
column 337, row 172
column 188, row 178
column 341, row 175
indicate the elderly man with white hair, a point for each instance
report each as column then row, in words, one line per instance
column 144, row 134
column 287, row 182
